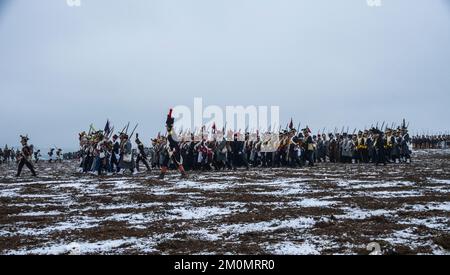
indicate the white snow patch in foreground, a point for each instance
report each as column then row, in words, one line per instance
column 440, row 181
column 358, row 213
column 444, row 206
column 199, row 212
column 75, row 248
column 40, row 213
column 202, row 186
column 289, row 248
column 299, row 223
column 204, row 234
column 312, row 203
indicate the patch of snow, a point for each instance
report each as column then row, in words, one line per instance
column 444, row 206
column 289, row 248
column 311, row 202
column 40, row 213
column 204, row 234
column 299, row 223
column 439, row 181
column 359, row 214
column 82, row 248
column 199, row 212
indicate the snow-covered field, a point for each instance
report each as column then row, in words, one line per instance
column 328, row 209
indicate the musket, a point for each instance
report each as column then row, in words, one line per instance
column 348, row 129
column 90, row 129
column 354, row 131
column 382, row 125
column 376, row 127
column 111, row 132
column 132, row 133
column 298, row 127
column 126, row 130
column 122, row 132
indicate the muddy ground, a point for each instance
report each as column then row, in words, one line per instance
column 328, row 209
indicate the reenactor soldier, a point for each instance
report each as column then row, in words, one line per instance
column 50, row 154
column 173, row 149
column 37, row 155
column 25, row 157
column 141, row 154
column 309, row 146
column 362, row 148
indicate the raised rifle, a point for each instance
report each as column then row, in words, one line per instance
column 123, row 130
column 111, row 133
column 126, row 130
column 132, row 133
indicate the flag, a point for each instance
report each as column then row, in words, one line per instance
column 107, row 130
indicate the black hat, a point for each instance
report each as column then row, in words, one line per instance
column 24, row 138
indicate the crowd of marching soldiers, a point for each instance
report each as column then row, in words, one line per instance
column 100, row 153
column 431, row 141
column 288, row 149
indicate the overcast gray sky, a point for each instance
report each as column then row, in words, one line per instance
column 326, row 63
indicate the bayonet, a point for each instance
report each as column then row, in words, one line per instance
column 133, row 131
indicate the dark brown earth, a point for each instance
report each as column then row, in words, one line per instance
column 328, row 209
